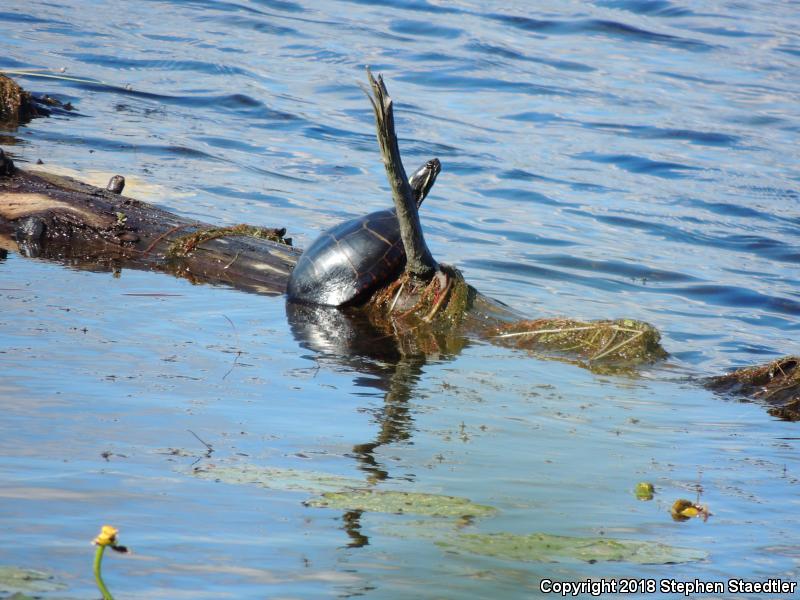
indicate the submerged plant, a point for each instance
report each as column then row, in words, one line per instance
column 644, row 490
column 106, row 537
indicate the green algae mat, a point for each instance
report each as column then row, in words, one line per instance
column 343, row 493
column 542, row 547
column 431, row 505
column 29, row 581
column 290, row 480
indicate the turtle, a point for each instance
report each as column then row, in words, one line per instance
column 348, row 262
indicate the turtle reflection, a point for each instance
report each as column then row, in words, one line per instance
column 382, row 359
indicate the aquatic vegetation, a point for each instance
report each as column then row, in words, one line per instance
column 275, row 478
column 106, row 538
column 683, row 510
column 186, row 244
column 543, row 547
column 777, row 383
column 625, row 342
column 16, row 105
column 644, row 490
column 343, row 492
column 432, row 505
column 23, row 581
column 434, row 302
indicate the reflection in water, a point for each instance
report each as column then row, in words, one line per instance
column 394, row 419
column 352, row 526
column 347, row 337
column 382, row 360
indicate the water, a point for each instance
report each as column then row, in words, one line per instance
column 616, row 158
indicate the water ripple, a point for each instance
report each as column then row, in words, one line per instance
column 25, row 17
column 455, row 80
column 649, row 132
column 639, row 164
column 738, row 297
column 425, row 28
column 605, row 27
column 768, row 248
column 198, row 66
column 520, row 195
column 259, row 25
column 648, row 274
column 412, row 5
column 283, row 5
column 654, row 8
column 504, row 52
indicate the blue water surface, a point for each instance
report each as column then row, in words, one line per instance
column 605, row 159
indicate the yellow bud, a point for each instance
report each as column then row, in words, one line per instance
column 107, row 536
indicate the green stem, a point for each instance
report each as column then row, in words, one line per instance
column 98, row 559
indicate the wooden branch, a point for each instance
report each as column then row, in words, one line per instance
column 419, row 260
column 47, row 216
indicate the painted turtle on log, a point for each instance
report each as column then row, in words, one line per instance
column 351, row 260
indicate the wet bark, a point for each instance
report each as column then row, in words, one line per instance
column 16, row 105
column 775, row 384
column 48, row 216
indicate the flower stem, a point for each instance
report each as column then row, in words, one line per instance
column 98, row 559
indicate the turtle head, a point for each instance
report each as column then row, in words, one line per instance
column 423, row 178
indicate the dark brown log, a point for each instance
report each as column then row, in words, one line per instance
column 776, row 384
column 54, row 217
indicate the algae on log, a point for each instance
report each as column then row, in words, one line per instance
column 598, row 345
column 18, row 106
column 776, row 383
column 49, row 216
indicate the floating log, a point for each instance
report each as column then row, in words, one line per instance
column 16, row 105
column 775, row 384
column 55, row 217
column 50, row 216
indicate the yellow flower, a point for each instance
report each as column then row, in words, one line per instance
column 107, row 537
column 683, row 510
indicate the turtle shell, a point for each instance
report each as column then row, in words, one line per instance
column 348, row 262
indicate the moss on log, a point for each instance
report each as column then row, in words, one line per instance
column 776, row 384
column 16, row 105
